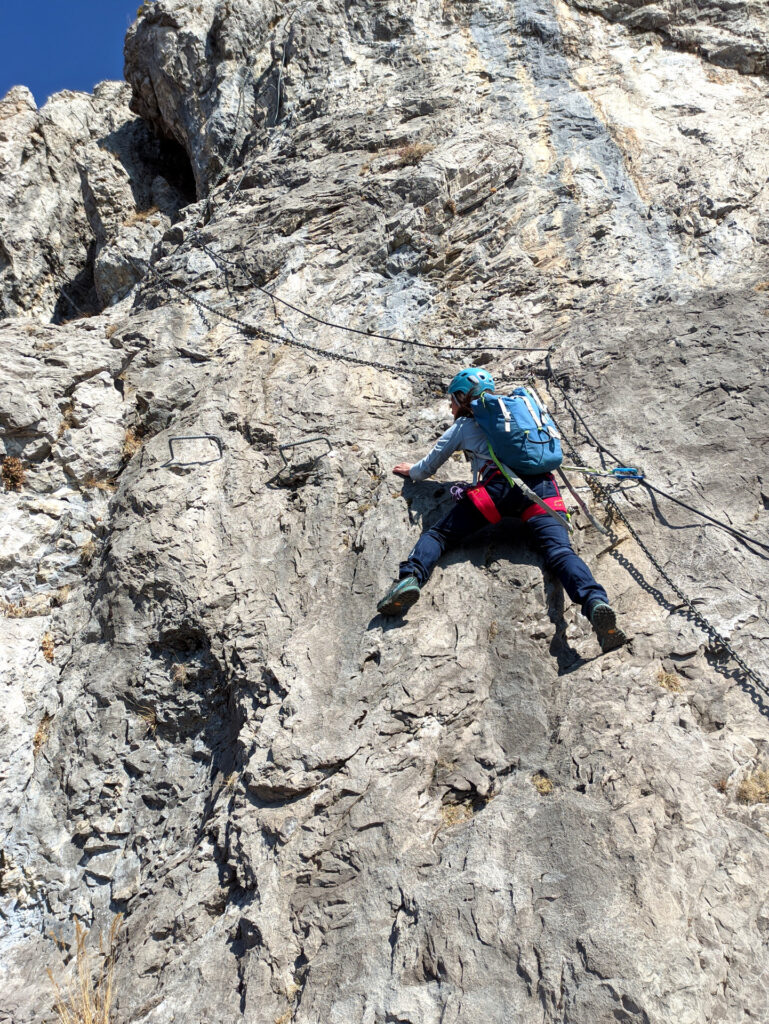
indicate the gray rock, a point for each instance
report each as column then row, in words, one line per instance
column 304, row 811
column 73, row 174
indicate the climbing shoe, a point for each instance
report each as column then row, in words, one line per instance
column 604, row 622
column 400, row 597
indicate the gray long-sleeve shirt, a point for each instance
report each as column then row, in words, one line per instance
column 463, row 435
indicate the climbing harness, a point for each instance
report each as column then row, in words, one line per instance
column 515, row 481
column 483, row 501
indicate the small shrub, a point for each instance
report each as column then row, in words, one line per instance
column 543, row 785
column 493, row 629
column 140, row 216
column 87, row 552
column 455, row 814
column 13, row 473
column 669, row 681
column 131, row 443
column 754, row 788
column 47, row 647
column 179, row 674
column 88, row 1000
column 721, row 785
column 413, row 153
column 450, row 207
column 42, row 733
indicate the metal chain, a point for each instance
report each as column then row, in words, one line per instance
column 222, row 261
column 616, row 513
column 260, row 332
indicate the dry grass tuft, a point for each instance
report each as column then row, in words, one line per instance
column 150, row 716
column 47, row 647
column 670, row 681
column 67, row 419
column 110, row 330
column 543, row 785
column 87, row 552
column 140, row 216
column 754, row 788
column 13, row 611
column 13, row 473
column 455, row 814
column 132, row 442
column 413, row 153
column 88, row 999
column 42, row 733
column 232, row 780
column 722, row 784
column 762, row 286
column 100, row 485
column 179, row 674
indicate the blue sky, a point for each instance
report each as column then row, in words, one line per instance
column 49, row 45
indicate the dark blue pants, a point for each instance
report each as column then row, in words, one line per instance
column 551, row 540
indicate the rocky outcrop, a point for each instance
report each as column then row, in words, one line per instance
column 86, row 192
column 729, row 34
column 304, row 811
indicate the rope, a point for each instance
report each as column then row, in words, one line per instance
column 641, row 479
column 717, row 522
column 260, row 332
column 219, row 260
column 615, row 512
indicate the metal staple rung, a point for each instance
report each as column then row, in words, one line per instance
column 297, row 444
column 196, row 437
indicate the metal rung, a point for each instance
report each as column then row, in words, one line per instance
column 195, row 437
column 297, row 444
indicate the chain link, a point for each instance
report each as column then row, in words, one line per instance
column 615, row 514
column 260, row 332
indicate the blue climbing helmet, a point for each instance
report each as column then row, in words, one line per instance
column 471, row 382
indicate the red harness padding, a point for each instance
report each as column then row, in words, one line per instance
column 555, row 503
column 483, row 501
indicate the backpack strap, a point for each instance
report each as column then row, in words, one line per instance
column 515, row 481
column 535, row 415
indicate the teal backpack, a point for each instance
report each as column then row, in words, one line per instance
column 520, row 433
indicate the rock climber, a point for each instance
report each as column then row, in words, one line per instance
column 491, row 499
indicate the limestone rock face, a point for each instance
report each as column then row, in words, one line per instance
column 727, row 33
column 78, row 186
column 306, row 812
